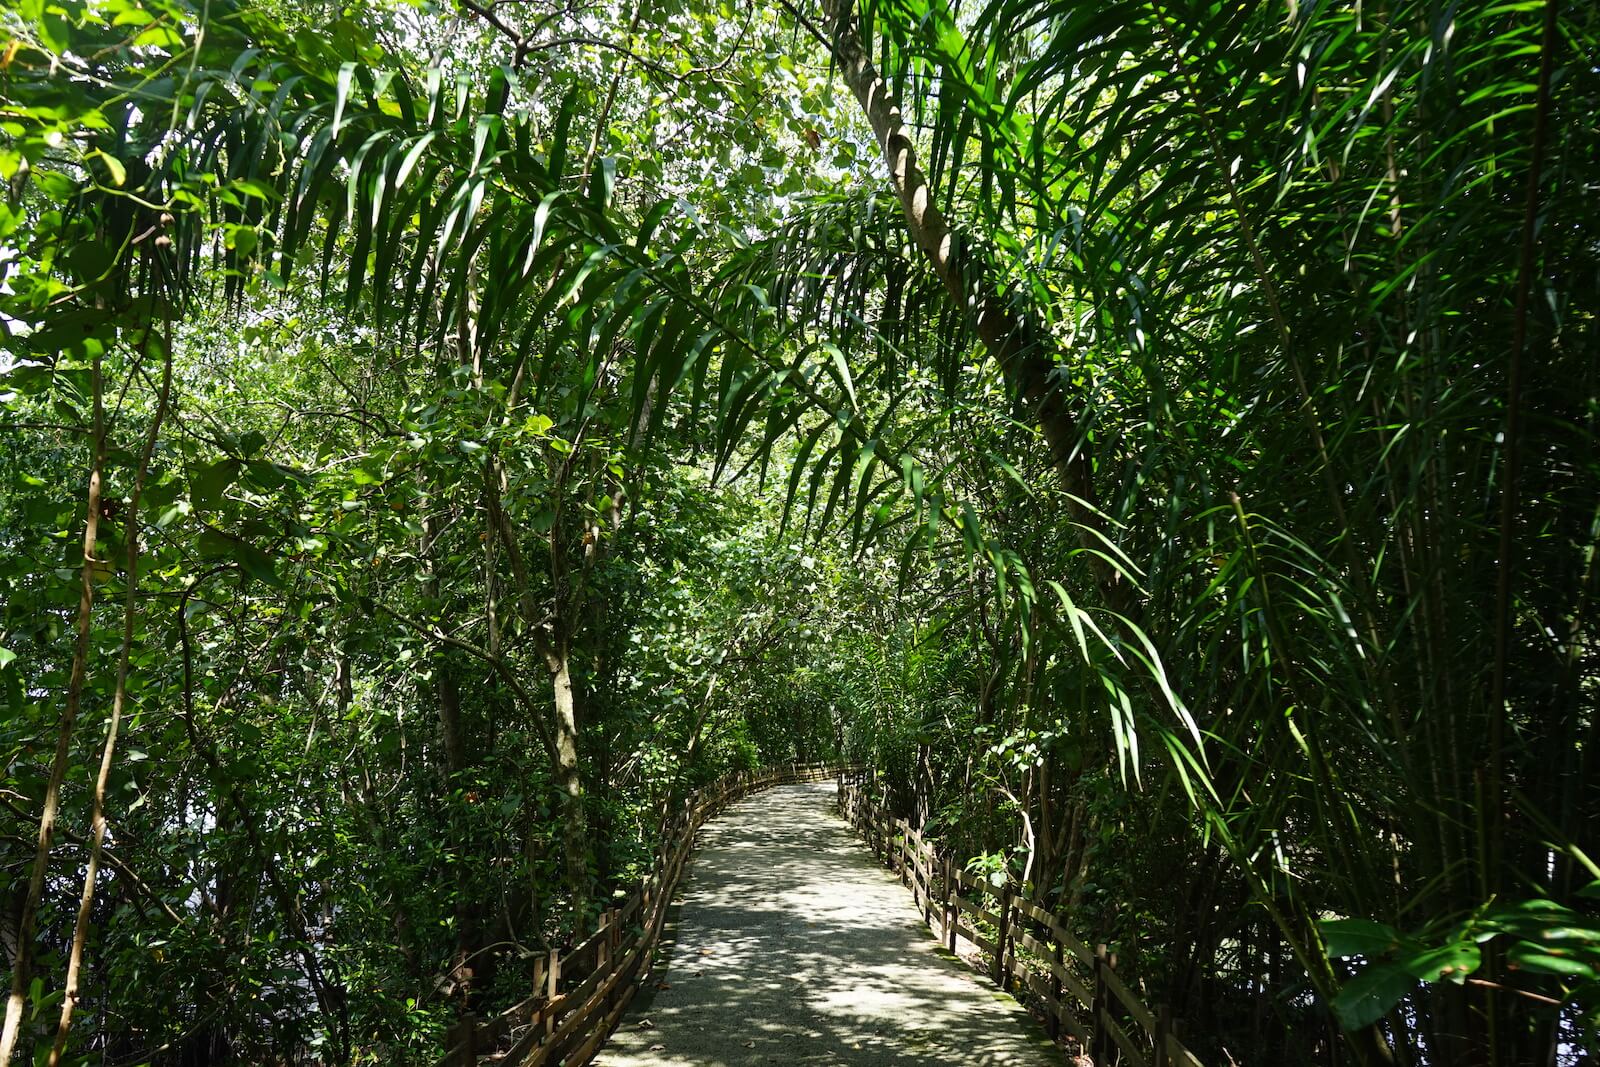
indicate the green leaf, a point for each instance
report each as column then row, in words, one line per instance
column 114, row 168
column 369, row 472
column 1358, row 937
column 268, row 476
column 55, row 185
column 1371, row 995
column 55, row 33
column 208, row 482
column 258, row 564
column 843, row 369
column 1454, row 961
column 1541, row 959
column 253, row 561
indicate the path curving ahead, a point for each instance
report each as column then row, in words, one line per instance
column 791, row 946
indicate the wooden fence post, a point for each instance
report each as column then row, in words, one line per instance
column 552, row 977
column 460, row 1043
column 950, row 904
column 1101, row 1045
column 925, row 855
column 614, row 950
column 1001, row 971
column 1163, row 1028
column 1052, row 1022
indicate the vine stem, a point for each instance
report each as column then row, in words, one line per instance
column 130, row 613
column 20, row 971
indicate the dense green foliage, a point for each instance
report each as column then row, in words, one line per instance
column 436, row 438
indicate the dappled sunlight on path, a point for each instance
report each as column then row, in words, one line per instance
column 792, row 946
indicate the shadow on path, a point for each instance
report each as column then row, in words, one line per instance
column 793, row 947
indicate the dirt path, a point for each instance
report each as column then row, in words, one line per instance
column 792, row 946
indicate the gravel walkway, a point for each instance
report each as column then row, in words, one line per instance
column 791, row 946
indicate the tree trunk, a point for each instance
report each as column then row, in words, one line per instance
column 553, row 637
column 130, row 612
column 446, row 694
column 58, row 768
column 1027, row 366
column 569, row 778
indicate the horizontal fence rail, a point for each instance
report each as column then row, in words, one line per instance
column 578, row 996
column 1079, row 990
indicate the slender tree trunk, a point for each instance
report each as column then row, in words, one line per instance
column 447, row 701
column 1047, row 828
column 1027, row 365
column 447, row 695
column 130, row 612
column 922, row 800
column 69, row 716
column 553, row 637
column 569, row 778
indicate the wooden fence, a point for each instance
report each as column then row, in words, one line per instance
column 1079, row 990
column 578, row 996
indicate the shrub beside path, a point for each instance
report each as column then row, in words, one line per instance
column 789, row 945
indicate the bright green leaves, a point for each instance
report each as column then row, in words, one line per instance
column 366, row 473
column 52, row 21
column 243, row 508
column 1549, row 939
column 1537, row 937
column 1395, row 963
column 208, row 485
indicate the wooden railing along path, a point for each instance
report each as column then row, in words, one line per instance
column 1080, row 990
column 578, row 996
